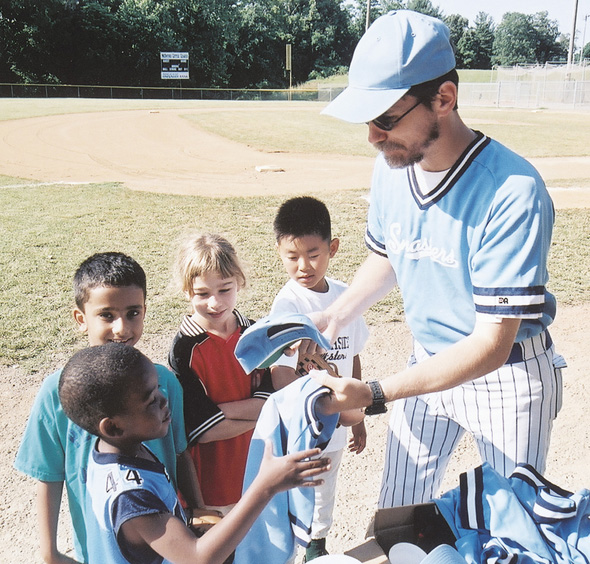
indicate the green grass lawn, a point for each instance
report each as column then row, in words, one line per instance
column 46, row 231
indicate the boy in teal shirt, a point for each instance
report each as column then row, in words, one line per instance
column 110, row 292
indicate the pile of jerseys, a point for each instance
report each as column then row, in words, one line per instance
column 518, row 520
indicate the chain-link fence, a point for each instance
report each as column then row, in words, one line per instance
column 8, row 90
column 549, row 86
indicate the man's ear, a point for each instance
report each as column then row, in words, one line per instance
column 80, row 319
column 108, row 428
column 334, row 246
column 447, row 97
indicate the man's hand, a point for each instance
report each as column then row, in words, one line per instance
column 347, row 393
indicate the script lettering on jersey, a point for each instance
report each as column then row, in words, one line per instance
column 337, row 352
column 419, row 248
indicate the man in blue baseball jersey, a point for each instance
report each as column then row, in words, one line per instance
column 463, row 226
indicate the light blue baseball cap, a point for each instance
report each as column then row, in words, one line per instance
column 400, row 49
column 264, row 342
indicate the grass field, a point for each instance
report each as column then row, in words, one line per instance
column 46, row 231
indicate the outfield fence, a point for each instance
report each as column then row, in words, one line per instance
column 8, row 90
column 548, row 86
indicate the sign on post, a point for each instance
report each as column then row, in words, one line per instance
column 174, row 65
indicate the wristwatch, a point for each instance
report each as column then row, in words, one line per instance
column 378, row 406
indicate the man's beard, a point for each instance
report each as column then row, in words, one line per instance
column 413, row 155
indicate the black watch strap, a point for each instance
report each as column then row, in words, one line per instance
column 378, row 405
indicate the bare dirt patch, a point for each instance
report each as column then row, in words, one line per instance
column 161, row 151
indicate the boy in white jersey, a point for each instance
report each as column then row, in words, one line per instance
column 303, row 233
column 112, row 392
column 463, row 226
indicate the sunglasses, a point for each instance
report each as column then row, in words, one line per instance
column 386, row 123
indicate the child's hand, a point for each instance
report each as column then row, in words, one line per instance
column 281, row 473
column 358, row 441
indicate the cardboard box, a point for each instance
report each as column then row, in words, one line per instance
column 421, row 524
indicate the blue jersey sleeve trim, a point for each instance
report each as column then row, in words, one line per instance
column 527, row 291
column 528, row 302
column 374, row 245
column 511, row 311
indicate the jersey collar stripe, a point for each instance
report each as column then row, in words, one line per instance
column 528, row 474
column 314, row 424
column 190, row 328
column 461, row 165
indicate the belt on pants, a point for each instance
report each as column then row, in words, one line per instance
column 529, row 348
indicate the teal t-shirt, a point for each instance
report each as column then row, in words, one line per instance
column 53, row 449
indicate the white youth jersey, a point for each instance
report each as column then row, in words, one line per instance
column 475, row 245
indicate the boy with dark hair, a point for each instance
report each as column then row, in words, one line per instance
column 112, row 391
column 303, row 233
column 110, row 291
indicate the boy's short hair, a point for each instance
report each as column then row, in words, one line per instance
column 200, row 254
column 96, row 381
column 111, row 269
column 303, row 216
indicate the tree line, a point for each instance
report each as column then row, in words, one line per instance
column 233, row 43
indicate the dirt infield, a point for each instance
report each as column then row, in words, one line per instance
column 160, row 151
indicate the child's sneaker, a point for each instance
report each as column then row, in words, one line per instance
column 316, row 549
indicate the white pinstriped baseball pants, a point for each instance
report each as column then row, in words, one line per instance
column 509, row 412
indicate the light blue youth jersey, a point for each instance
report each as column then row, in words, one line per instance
column 291, row 420
column 53, row 449
column 477, row 244
column 121, row 488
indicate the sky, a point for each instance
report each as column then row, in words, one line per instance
column 560, row 10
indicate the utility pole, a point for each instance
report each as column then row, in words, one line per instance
column 570, row 54
column 368, row 19
column 583, row 40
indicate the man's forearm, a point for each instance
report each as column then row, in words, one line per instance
column 373, row 280
column 478, row 354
